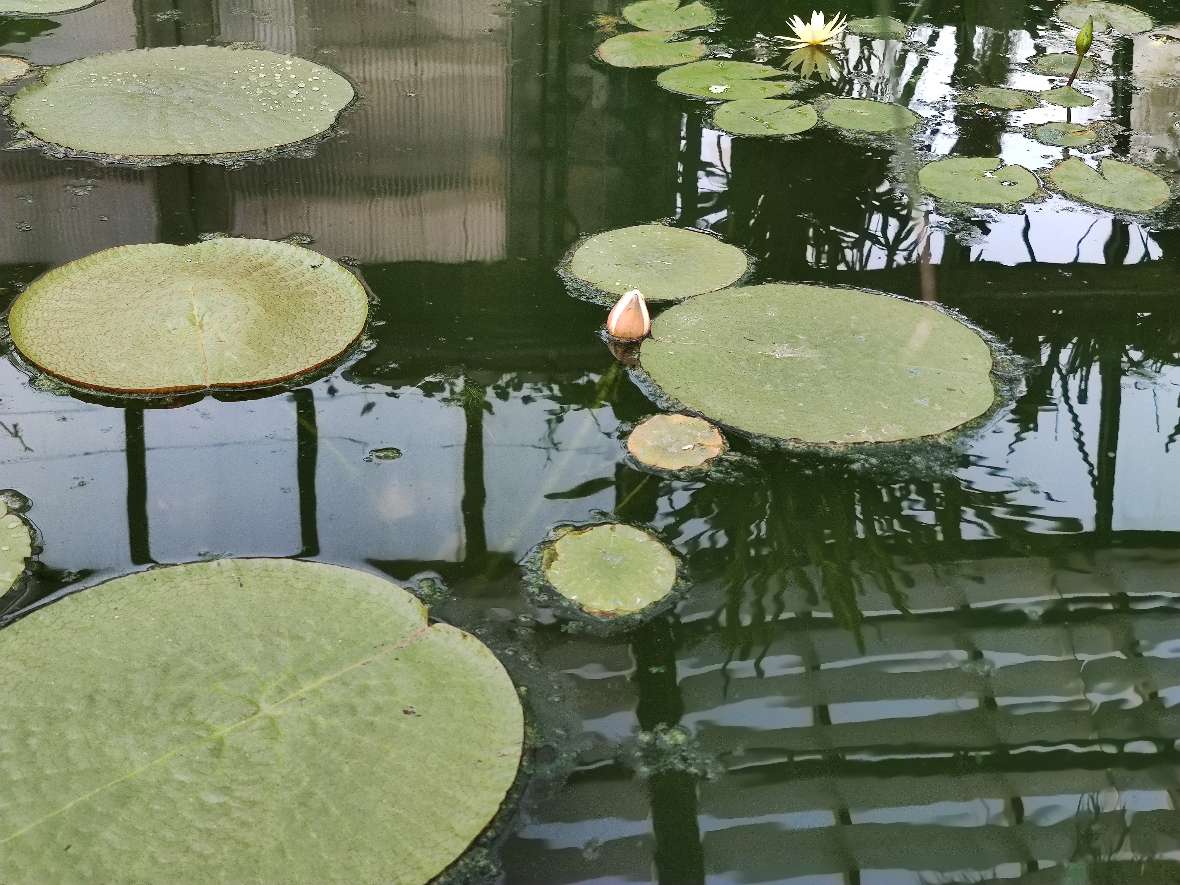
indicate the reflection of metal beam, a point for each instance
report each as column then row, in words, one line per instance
column 306, row 455
column 475, row 495
column 137, row 487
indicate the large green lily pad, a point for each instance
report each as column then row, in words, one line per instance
column 1061, row 134
column 650, row 49
column 726, row 80
column 978, row 181
column 1113, row 185
column 1113, row 16
column 866, row 115
column 820, row 365
column 1002, row 98
column 765, row 117
column 1067, row 97
column 609, row 570
column 12, row 69
column 16, row 546
column 248, row 721
column 880, row 27
column 42, row 7
column 181, row 101
column 669, row 15
column 156, row 318
column 664, row 263
column 675, row 442
column 1061, row 64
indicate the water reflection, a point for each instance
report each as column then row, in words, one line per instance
column 943, row 678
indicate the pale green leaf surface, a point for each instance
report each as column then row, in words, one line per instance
column 725, row 80
column 820, row 365
column 610, row 569
column 1061, row 64
column 765, row 117
column 664, row 263
column 247, row 721
column 881, row 27
column 16, row 546
column 675, row 442
column 42, row 7
column 978, row 181
column 1002, row 98
column 649, row 49
column 669, row 15
column 865, row 115
column 157, row 318
column 1113, row 185
column 181, row 101
column 1115, row 16
column 1067, row 97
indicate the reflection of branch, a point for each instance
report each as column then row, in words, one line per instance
column 14, row 432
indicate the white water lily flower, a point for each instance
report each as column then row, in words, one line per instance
column 818, row 32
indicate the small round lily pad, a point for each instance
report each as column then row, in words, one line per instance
column 765, row 117
column 675, row 442
column 1113, row 185
column 879, row 27
column 609, row 570
column 1002, row 98
column 1061, row 64
column 649, row 49
column 1062, row 134
column 1113, row 16
column 226, row 313
column 866, row 115
column 669, row 15
column 16, row 546
column 1067, row 97
column 725, row 80
column 13, row 69
column 42, row 7
column 816, row 364
column 181, row 101
column 664, row 263
column 254, row 720
column 978, row 181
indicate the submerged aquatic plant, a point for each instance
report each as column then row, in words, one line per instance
column 817, row 32
column 629, row 320
column 1082, row 44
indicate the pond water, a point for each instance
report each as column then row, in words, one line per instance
column 959, row 668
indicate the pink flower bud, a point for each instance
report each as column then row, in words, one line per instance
column 628, row 319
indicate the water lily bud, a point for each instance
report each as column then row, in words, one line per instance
column 628, row 319
column 1085, row 37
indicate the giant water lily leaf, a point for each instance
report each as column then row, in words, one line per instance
column 879, row 27
column 978, row 181
column 865, row 115
column 726, row 80
column 182, row 101
column 1061, row 64
column 1067, row 97
column 664, row 263
column 650, row 49
column 1002, row 98
column 1063, row 134
column 248, row 721
column 1113, row 185
column 163, row 319
column 1113, row 16
column 42, row 7
column 609, row 570
column 669, row 15
column 12, row 69
column 675, row 442
column 820, row 365
column 765, row 117
column 16, row 546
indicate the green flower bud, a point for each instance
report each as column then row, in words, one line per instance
column 1085, row 37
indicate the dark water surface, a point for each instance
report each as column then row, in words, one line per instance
column 877, row 679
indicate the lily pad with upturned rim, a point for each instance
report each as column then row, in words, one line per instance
column 866, row 115
column 978, row 181
column 220, row 709
column 13, row 69
column 1067, row 97
column 155, row 318
column 675, row 442
column 1002, row 98
column 609, row 570
column 650, row 49
column 16, row 547
column 1061, row 64
column 669, row 15
column 765, row 117
column 182, row 102
column 820, row 365
column 724, row 80
column 664, row 263
column 1113, row 185
column 42, row 7
column 1113, row 16
column 879, row 27
column 1063, row 134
